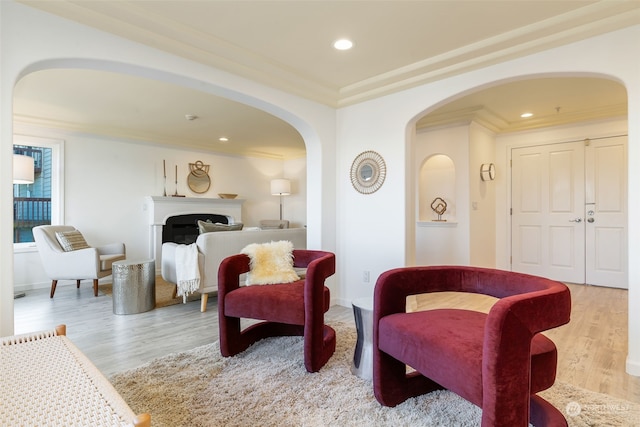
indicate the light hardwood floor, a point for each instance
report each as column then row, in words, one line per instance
column 116, row 343
column 592, row 347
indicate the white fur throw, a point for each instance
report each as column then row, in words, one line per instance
column 270, row 263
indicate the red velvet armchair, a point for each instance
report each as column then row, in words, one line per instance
column 498, row 361
column 286, row 309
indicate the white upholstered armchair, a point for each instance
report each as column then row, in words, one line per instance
column 66, row 256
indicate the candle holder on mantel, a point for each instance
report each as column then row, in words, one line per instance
column 439, row 206
column 164, row 170
column 176, row 193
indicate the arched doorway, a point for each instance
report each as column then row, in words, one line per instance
column 483, row 121
column 151, row 170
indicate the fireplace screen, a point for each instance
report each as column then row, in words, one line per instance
column 183, row 229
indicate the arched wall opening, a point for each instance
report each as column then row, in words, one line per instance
column 473, row 139
column 311, row 138
column 163, row 99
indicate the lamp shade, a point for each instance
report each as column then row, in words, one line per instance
column 22, row 169
column 280, row 187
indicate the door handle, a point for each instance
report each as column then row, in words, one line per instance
column 576, row 220
column 590, row 220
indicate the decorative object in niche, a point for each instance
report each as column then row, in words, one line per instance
column 487, row 171
column 368, row 172
column 439, row 206
column 198, row 179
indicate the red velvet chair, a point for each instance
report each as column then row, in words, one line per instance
column 287, row 309
column 498, row 361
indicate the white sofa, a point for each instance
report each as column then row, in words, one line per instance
column 215, row 246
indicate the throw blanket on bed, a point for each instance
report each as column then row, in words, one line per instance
column 187, row 271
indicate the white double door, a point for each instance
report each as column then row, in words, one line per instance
column 568, row 216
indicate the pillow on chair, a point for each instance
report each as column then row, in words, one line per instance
column 71, row 240
column 270, row 263
column 208, row 227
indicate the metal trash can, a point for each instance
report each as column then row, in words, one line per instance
column 363, row 355
column 134, row 286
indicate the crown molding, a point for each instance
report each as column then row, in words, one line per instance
column 498, row 124
column 128, row 20
column 21, row 122
column 536, row 38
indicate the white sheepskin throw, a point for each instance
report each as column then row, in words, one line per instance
column 270, row 263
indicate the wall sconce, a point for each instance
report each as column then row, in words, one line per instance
column 23, row 167
column 487, row 171
column 280, row 187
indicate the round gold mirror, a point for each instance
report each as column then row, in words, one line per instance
column 198, row 179
column 368, row 172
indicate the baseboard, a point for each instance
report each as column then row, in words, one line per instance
column 341, row 302
column 633, row 367
column 47, row 284
column 31, row 286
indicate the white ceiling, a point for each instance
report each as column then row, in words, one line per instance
column 129, row 107
column 287, row 45
column 552, row 101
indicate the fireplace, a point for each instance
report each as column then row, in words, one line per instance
column 161, row 209
column 184, row 228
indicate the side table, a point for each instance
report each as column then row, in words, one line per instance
column 134, row 286
column 363, row 355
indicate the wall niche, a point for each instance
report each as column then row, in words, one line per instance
column 437, row 178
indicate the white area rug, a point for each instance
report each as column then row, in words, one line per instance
column 267, row 385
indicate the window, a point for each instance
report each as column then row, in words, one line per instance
column 38, row 203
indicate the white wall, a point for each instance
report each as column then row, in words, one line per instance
column 482, row 194
column 370, row 228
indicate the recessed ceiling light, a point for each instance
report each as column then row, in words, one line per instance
column 343, row 44
column 526, row 115
column 223, row 139
column 190, row 117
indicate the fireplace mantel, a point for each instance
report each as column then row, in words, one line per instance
column 160, row 208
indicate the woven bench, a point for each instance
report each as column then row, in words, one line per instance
column 48, row 381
